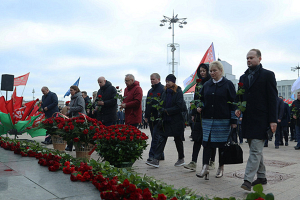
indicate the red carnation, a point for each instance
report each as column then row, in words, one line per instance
column 117, row 87
column 161, row 197
column 158, row 94
column 240, row 84
column 90, row 97
column 99, row 96
column 85, row 131
column 37, row 99
column 198, row 80
column 76, row 139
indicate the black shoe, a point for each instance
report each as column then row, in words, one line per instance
column 246, row 185
column 45, row 142
column 162, row 158
column 150, row 159
column 68, row 149
column 276, row 147
column 266, row 145
column 270, row 139
column 262, row 181
column 286, row 144
column 297, row 148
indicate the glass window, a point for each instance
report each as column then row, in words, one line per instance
column 289, row 88
column 279, row 93
column 279, row 88
column 283, row 88
column 283, row 94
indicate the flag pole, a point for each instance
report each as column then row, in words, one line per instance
column 23, row 90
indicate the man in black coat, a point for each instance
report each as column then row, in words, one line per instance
column 107, row 101
column 157, row 88
column 49, row 107
column 285, row 123
column 49, row 102
column 87, row 100
column 259, row 116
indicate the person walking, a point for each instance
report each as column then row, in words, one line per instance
column 285, row 123
column 172, row 124
column 259, row 116
column 296, row 115
column 218, row 116
column 196, row 117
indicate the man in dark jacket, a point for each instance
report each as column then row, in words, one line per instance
column 86, row 98
column 260, row 114
column 133, row 101
column 285, row 123
column 49, row 106
column 296, row 116
column 106, row 103
column 49, row 102
column 156, row 88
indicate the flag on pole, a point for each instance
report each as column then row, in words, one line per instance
column 68, row 92
column 21, row 80
column 189, row 83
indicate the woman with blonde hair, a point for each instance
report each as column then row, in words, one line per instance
column 218, row 115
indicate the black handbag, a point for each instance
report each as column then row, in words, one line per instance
column 233, row 153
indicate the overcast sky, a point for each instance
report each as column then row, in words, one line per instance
column 58, row 41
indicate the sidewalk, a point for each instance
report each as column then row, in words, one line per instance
column 31, row 181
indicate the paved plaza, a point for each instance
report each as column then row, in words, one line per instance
column 29, row 180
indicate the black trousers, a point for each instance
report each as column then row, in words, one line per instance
column 162, row 143
column 207, row 153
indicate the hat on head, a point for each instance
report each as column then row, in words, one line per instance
column 171, row 77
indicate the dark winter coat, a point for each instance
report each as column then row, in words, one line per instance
column 108, row 112
column 150, row 111
column 174, row 126
column 261, row 97
column 77, row 105
column 133, row 100
column 286, row 116
column 87, row 100
column 296, row 106
column 50, row 101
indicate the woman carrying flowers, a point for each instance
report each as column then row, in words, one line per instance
column 218, row 115
column 76, row 106
column 172, row 123
column 197, row 133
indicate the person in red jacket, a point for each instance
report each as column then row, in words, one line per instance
column 133, row 101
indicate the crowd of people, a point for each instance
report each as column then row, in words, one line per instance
column 213, row 120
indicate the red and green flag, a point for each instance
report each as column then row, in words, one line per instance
column 189, row 83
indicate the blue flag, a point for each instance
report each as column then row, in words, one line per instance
column 68, row 92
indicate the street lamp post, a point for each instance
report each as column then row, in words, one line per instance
column 172, row 21
column 296, row 68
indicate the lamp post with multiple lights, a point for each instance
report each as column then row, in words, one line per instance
column 295, row 68
column 171, row 22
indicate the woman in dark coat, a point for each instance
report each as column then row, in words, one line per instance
column 218, row 115
column 203, row 74
column 173, row 122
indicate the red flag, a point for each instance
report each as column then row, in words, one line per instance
column 34, row 111
column 10, row 109
column 190, row 82
column 17, row 101
column 29, row 107
column 3, row 105
column 18, row 113
column 38, row 120
column 21, row 80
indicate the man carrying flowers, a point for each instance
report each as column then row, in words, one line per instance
column 105, row 103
